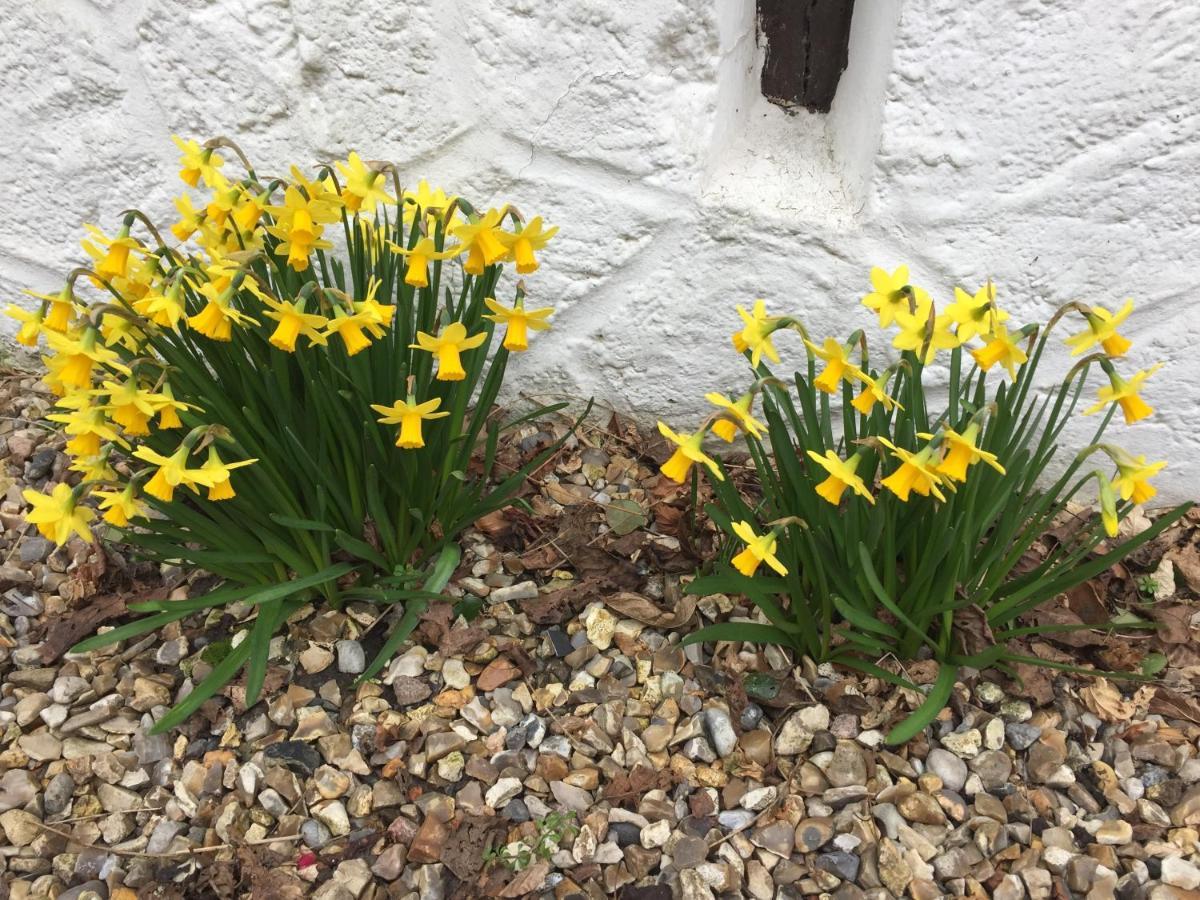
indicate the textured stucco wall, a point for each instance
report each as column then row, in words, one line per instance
column 1050, row 146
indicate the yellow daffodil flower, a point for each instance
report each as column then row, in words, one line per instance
column 962, row 452
column 737, row 415
column 249, row 210
column 120, row 507
column 190, row 218
column 115, row 262
column 517, row 322
column 74, row 358
column 362, row 188
column 217, row 318
column 293, row 321
column 380, row 314
column 1102, row 330
column 755, row 336
column 349, row 327
column 1125, row 394
column 1132, row 481
column 432, row 203
column 523, row 243
column 481, row 242
column 915, row 333
column 58, row 515
column 173, row 472
column 874, row 391
column 169, row 408
column 300, row 222
column 837, row 364
column 322, row 191
column 1108, row 506
column 87, row 427
column 165, row 308
column 975, row 315
column 420, row 256
column 131, row 406
column 221, row 485
column 61, row 311
column 94, row 468
column 123, row 330
column 197, row 162
column 409, row 415
column 447, row 346
column 917, row 472
column 759, row 549
column 688, row 451
column 841, row 476
column 1000, row 348
column 31, row 324
column 890, row 294
column 222, row 202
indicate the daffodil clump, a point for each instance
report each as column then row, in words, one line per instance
column 287, row 386
column 884, row 524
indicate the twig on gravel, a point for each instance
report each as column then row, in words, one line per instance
column 170, row 855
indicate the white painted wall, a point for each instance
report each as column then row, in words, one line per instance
column 1050, row 146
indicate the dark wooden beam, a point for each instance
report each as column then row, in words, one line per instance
column 806, row 50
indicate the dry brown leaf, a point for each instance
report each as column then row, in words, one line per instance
column 973, row 631
column 1175, row 706
column 1084, row 601
column 1187, row 564
column 568, row 494
column 1174, row 623
column 1106, row 701
column 646, row 611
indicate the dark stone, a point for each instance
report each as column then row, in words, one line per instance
column 751, row 716
column 559, row 640
column 1020, row 735
column 296, row 755
column 515, row 739
column 40, row 464
column 842, row 864
column 821, row 742
column 625, row 833
column 647, row 892
column 516, row 811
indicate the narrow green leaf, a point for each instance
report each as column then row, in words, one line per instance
column 935, row 702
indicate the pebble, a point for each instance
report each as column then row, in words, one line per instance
column 351, row 658
column 948, row 767
column 719, row 729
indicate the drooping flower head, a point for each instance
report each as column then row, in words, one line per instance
column 962, row 452
column 518, row 322
column 409, row 414
column 1002, row 348
column 917, row 472
column 59, row 515
column 841, row 475
column 523, row 243
column 687, row 452
column 755, row 336
column 736, row 415
column 363, row 187
column 1102, row 330
column 759, row 549
column 447, row 346
column 1125, row 394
